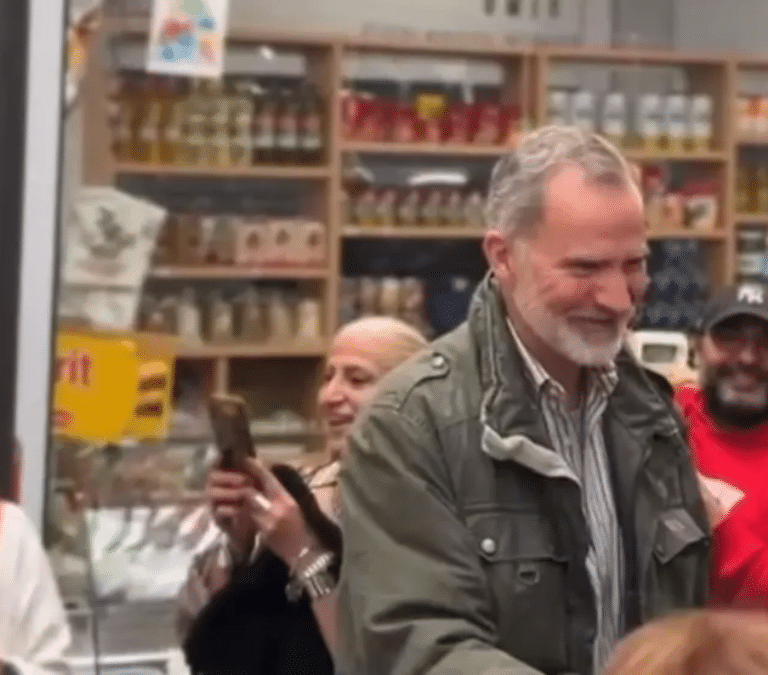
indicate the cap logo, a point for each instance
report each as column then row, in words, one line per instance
column 752, row 295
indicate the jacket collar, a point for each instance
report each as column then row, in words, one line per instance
column 513, row 427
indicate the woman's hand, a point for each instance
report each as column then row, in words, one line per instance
column 276, row 515
column 226, row 492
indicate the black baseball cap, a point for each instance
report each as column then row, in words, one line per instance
column 747, row 299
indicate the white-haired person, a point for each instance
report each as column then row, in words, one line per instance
column 265, row 601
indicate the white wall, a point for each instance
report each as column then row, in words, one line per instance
column 737, row 26
column 341, row 15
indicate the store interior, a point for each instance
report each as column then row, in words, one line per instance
column 228, row 224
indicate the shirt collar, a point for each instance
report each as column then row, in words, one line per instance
column 605, row 377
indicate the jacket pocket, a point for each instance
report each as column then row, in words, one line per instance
column 526, row 581
column 680, row 553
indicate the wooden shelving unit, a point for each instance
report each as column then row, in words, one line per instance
column 237, row 350
column 424, row 149
column 526, row 77
column 751, row 218
column 236, row 272
column 267, row 171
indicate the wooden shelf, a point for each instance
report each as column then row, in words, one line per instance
column 353, row 232
column 266, row 171
column 750, row 139
column 447, row 232
column 751, row 218
column 138, row 28
column 251, row 351
column 642, row 155
column 417, row 42
column 633, row 154
column 235, row 272
column 645, row 56
column 386, row 148
column 687, row 233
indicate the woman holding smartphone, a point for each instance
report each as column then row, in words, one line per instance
column 264, row 602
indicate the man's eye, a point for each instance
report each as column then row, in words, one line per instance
column 585, row 268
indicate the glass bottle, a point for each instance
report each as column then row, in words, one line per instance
column 241, row 112
column 311, row 145
column 263, row 126
column 287, row 136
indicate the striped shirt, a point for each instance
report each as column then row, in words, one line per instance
column 577, row 435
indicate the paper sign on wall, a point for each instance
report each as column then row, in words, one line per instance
column 187, row 37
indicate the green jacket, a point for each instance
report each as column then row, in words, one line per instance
column 464, row 549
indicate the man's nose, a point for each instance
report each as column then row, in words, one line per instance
column 616, row 293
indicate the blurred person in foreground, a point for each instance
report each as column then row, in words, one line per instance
column 703, row 642
column 727, row 418
column 34, row 631
column 281, row 539
column 519, row 497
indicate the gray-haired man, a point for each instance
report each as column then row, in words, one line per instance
column 521, row 496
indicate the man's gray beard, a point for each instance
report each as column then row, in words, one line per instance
column 563, row 339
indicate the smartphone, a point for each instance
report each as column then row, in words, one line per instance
column 231, row 430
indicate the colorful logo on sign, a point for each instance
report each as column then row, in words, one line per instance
column 110, row 387
column 186, row 35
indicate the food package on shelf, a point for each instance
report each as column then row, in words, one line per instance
column 702, row 198
column 108, row 243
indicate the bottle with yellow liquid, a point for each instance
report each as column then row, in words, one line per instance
column 761, row 184
column 744, row 190
column 195, row 126
column 218, row 127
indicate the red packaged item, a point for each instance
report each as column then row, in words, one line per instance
column 488, row 121
column 363, row 118
column 432, row 130
column 458, row 124
column 511, row 126
column 405, row 126
column 350, row 103
column 378, row 119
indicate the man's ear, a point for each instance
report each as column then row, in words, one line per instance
column 498, row 252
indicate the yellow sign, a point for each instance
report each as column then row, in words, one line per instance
column 112, row 386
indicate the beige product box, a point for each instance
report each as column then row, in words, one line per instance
column 283, row 241
column 700, row 123
column 583, row 113
column 761, row 118
column 649, row 121
column 676, row 121
column 252, row 242
column 558, row 110
column 614, row 117
column 744, row 116
column 310, row 247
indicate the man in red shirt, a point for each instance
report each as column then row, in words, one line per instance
column 728, row 431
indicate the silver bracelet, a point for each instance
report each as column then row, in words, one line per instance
column 314, row 579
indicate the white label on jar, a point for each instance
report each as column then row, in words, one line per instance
column 701, row 117
column 583, row 110
column 750, row 263
column 649, row 116
column 558, row 112
column 744, row 116
column 676, row 117
column 615, row 114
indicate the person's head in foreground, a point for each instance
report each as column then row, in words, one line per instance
column 361, row 353
column 566, row 241
column 733, row 353
column 702, row 642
